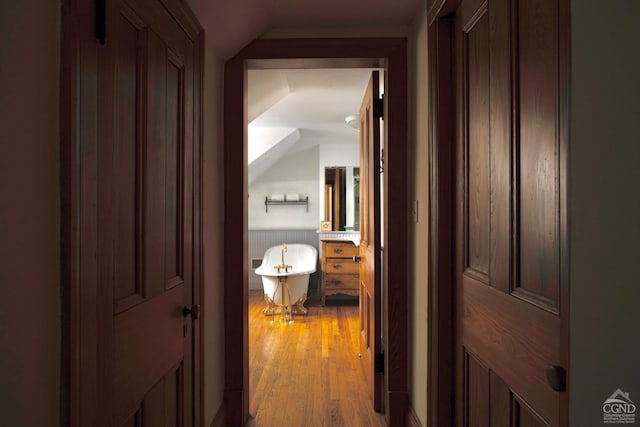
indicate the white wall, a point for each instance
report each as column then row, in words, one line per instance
column 604, row 210
column 293, row 173
column 213, row 229
column 29, row 213
column 301, row 172
column 418, row 179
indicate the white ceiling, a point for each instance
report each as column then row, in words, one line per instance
column 313, row 102
column 231, row 24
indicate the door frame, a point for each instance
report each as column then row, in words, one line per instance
column 80, row 348
column 388, row 53
column 442, row 329
column 440, row 281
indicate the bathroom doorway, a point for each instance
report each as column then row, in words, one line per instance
column 304, row 160
column 389, row 55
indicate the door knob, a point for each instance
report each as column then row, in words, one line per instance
column 194, row 311
column 557, row 378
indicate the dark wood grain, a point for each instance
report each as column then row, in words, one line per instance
column 395, row 232
column 460, row 207
column 80, row 393
column 564, row 93
column 514, row 325
column 501, row 402
column 433, row 9
column 538, row 150
column 154, row 158
column 198, row 230
column 174, row 154
column 235, row 245
column 188, row 242
column 150, row 338
column 477, row 72
column 478, row 393
column 128, row 143
column 153, row 406
column 134, row 420
column 525, row 417
column 115, row 172
column 441, row 224
column 501, row 151
column 520, row 340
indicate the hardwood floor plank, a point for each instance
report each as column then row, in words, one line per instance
column 307, row 372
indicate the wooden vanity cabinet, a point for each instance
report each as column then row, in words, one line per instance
column 340, row 270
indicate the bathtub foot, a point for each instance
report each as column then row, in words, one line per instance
column 268, row 310
column 297, row 308
column 299, row 305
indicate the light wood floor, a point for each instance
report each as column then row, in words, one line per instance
column 307, row 373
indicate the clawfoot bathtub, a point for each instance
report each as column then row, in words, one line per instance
column 285, row 272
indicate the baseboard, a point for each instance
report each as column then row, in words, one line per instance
column 412, row 418
column 219, row 419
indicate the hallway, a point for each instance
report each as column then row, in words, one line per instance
column 52, row 349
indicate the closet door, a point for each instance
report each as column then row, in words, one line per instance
column 511, row 306
column 145, row 218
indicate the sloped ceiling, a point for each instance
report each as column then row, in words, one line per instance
column 317, row 100
column 302, row 108
column 232, row 24
column 278, row 148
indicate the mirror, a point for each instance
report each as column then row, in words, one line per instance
column 342, row 197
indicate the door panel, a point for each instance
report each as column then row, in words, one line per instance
column 478, row 148
column 477, row 387
column 134, row 421
column 370, row 259
column 145, row 217
column 500, row 148
column 508, row 278
column 490, row 402
column 162, row 405
column 148, row 344
column 519, row 340
column 173, row 177
column 538, row 148
column 130, row 45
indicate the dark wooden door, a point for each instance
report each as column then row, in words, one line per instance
column 145, row 203
column 511, row 309
column 370, row 256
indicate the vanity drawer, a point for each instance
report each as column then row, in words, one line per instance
column 341, row 283
column 340, row 250
column 342, row 266
column 340, row 273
